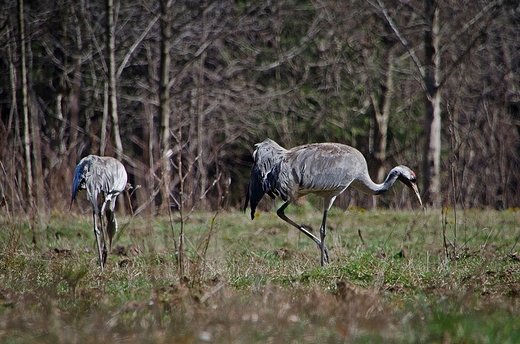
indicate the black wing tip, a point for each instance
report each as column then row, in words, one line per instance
column 253, row 208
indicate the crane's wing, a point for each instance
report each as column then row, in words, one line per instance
column 264, row 173
column 324, row 167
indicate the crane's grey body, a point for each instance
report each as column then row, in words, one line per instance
column 324, row 169
column 104, row 178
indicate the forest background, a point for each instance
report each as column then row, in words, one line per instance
column 181, row 90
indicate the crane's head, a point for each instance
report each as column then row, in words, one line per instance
column 407, row 176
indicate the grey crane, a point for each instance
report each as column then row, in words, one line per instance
column 324, row 169
column 104, row 178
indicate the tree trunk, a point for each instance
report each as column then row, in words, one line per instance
column 145, row 176
column 104, row 120
column 13, row 89
column 512, row 101
column 164, row 103
column 74, row 96
column 112, row 84
column 37, row 153
column 432, row 152
column 25, row 109
column 382, row 106
column 202, row 146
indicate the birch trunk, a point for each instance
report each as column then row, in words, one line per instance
column 112, row 83
column 36, row 153
column 164, row 103
column 25, row 108
column 202, row 145
column 432, row 151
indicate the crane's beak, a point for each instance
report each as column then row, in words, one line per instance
column 416, row 190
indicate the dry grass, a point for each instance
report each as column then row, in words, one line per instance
column 260, row 281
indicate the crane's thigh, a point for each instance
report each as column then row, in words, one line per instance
column 112, row 204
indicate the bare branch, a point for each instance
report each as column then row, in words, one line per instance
column 470, row 23
column 135, row 45
column 381, row 7
column 474, row 39
column 295, row 51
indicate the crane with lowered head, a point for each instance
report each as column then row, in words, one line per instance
column 323, row 169
column 104, row 178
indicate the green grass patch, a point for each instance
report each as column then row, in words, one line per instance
column 394, row 276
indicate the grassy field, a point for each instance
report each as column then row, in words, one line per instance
column 393, row 278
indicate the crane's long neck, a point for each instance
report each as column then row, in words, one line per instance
column 368, row 186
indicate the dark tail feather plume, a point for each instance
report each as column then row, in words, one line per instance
column 264, row 173
column 256, row 190
column 78, row 178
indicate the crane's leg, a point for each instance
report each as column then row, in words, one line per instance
column 327, row 204
column 322, row 234
column 98, row 239
column 323, row 249
column 111, row 221
column 103, row 230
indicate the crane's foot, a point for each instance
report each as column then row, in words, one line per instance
column 324, row 254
